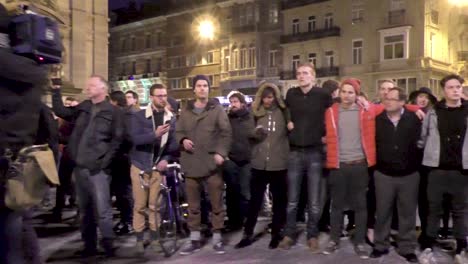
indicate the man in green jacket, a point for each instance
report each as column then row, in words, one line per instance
column 204, row 132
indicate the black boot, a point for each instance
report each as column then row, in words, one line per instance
column 246, row 241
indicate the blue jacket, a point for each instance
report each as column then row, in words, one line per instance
column 144, row 140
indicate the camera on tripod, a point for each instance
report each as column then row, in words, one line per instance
column 35, row 36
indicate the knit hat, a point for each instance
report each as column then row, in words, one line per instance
column 200, row 77
column 355, row 83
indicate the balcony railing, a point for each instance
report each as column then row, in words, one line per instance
column 243, row 29
column 463, row 56
column 396, row 18
column 320, row 72
column 297, row 3
column 243, row 72
column 316, row 34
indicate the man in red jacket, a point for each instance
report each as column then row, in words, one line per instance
column 350, row 132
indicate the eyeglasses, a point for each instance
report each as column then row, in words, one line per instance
column 160, row 96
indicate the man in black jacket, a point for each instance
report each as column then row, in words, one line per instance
column 237, row 167
column 98, row 134
column 396, row 175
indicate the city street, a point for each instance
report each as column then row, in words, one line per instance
column 60, row 242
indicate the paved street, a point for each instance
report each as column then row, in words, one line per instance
column 59, row 243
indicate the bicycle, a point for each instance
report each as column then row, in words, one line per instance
column 172, row 210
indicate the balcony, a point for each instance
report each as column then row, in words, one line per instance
column 396, row 18
column 243, row 29
column 270, row 72
column 242, row 73
column 297, row 3
column 320, row 73
column 463, row 56
column 316, row 34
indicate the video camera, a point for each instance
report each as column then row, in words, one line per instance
column 35, row 36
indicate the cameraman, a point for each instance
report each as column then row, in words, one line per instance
column 21, row 80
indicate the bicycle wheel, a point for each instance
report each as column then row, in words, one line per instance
column 181, row 207
column 167, row 227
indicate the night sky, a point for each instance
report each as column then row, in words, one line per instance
column 114, row 4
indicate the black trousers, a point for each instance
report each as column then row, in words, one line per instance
column 278, row 187
column 348, row 186
column 404, row 192
column 65, row 172
column 121, row 187
column 454, row 184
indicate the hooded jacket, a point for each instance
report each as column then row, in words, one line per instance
column 210, row 132
column 270, row 152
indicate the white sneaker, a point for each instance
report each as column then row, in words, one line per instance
column 427, row 257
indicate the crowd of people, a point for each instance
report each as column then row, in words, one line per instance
column 319, row 153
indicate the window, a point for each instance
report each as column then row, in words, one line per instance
column 272, row 58
column 397, row 5
column 295, row 63
column 189, row 82
column 313, row 58
column 191, row 60
column 124, row 45
column 176, row 83
column 357, row 10
column 243, row 58
column 312, row 23
column 133, row 44
column 226, row 60
column 211, row 79
column 407, row 84
column 210, row 57
column 330, row 59
column 328, row 21
column 432, row 43
column 394, row 43
column 158, row 64
column 148, row 65
column 357, row 51
column 394, row 47
column 176, row 41
column 434, row 84
column 249, row 16
column 159, row 38
column 435, row 17
column 252, row 58
column 242, row 16
column 295, row 26
column 133, row 67
column 148, row 41
column 123, row 68
column 235, row 55
column 273, row 13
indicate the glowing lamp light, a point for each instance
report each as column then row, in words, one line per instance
column 206, row 29
column 459, row 2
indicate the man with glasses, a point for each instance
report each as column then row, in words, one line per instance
column 396, row 175
column 153, row 136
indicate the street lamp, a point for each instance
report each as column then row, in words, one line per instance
column 205, row 28
column 459, row 2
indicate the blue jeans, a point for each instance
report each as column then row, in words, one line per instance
column 305, row 162
column 94, row 201
column 11, row 239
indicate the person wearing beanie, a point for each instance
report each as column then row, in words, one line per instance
column 204, row 133
column 350, row 141
column 236, row 169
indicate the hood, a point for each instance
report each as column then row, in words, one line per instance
column 257, row 108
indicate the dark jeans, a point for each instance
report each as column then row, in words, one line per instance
column 454, row 184
column 237, row 179
column 122, row 188
column 11, row 243
column 305, row 162
column 371, row 203
column 423, row 205
column 404, row 191
column 260, row 180
column 93, row 192
column 348, row 186
column 30, row 240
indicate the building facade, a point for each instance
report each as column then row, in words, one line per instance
column 84, row 31
column 414, row 42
